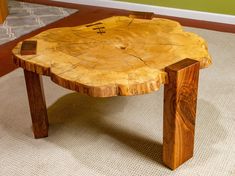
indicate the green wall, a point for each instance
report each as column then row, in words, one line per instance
column 214, row 6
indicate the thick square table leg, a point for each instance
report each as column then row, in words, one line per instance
column 37, row 104
column 180, row 100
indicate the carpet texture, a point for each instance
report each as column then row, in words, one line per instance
column 26, row 17
column 121, row 135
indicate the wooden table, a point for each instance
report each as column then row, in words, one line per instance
column 121, row 56
column 3, row 10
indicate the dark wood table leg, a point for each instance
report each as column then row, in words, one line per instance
column 37, row 104
column 180, row 100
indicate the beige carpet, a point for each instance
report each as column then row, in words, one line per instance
column 121, row 135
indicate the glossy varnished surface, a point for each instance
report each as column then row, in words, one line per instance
column 88, row 14
column 180, row 102
column 114, row 56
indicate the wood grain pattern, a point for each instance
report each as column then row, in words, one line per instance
column 180, row 99
column 115, row 56
column 28, row 48
column 3, row 10
column 37, row 104
column 122, row 56
column 88, row 14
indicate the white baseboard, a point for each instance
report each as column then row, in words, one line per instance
column 198, row 15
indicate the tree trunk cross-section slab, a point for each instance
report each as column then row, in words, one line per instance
column 115, row 56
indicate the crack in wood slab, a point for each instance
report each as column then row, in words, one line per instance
column 128, row 59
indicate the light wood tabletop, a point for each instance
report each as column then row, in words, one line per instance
column 114, row 56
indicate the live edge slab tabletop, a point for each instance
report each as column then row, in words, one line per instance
column 121, row 56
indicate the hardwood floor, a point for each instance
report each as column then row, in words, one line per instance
column 85, row 15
